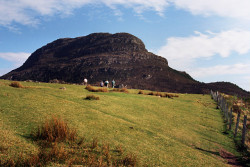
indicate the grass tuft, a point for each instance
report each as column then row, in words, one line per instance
column 55, row 130
column 129, row 160
column 119, row 149
column 125, row 90
column 158, row 94
column 93, row 89
column 92, row 97
column 151, row 93
column 140, row 92
column 16, row 84
column 94, row 143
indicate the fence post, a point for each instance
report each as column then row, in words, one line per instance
column 223, row 105
column 226, row 114
column 230, row 119
column 237, row 124
column 227, row 110
column 217, row 96
column 244, row 130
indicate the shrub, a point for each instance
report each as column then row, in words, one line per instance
column 92, row 97
column 55, row 130
column 16, row 84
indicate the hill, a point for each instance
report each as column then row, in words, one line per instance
column 184, row 131
column 102, row 56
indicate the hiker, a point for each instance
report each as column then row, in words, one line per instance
column 101, row 84
column 106, row 83
column 85, row 81
column 113, row 83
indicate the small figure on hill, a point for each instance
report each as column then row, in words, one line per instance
column 101, row 84
column 106, row 83
column 85, row 81
column 113, row 83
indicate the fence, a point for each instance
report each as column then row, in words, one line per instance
column 228, row 109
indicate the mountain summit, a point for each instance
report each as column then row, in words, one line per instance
column 101, row 56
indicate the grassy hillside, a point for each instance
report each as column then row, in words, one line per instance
column 184, row 131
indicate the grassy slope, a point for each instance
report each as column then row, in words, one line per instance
column 185, row 131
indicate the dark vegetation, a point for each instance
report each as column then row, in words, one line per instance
column 59, row 144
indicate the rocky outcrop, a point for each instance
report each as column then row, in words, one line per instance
column 102, row 56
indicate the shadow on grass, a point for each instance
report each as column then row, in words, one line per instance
column 26, row 136
column 207, row 151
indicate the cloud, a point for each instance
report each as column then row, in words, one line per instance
column 28, row 12
column 238, row 9
column 183, row 51
column 17, row 58
column 235, row 69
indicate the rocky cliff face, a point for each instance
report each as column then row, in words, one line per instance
column 102, row 56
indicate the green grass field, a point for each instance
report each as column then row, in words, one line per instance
column 183, row 131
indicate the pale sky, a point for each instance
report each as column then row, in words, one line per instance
column 210, row 40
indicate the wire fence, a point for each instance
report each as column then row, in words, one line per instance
column 235, row 116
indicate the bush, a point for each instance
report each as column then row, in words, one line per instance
column 16, row 84
column 55, row 130
column 92, row 97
